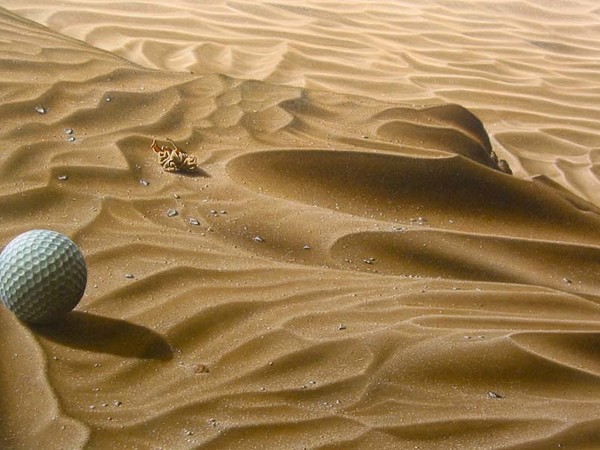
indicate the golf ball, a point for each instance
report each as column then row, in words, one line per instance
column 42, row 276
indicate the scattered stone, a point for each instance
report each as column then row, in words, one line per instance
column 369, row 261
column 504, row 167
column 108, row 98
column 567, row 281
column 117, row 403
column 71, row 139
column 341, row 327
column 201, row 368
column 188, row 432
column 492, row 394
column 68, row 130
column 193, row 221
column 129, row 275
column 258, row 239
column 176, row 196
column 62, row 177
column 144, row 182
column 41, row 110
column 307, row 247
column 172, row 213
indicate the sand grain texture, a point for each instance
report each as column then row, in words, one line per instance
column 352, row 267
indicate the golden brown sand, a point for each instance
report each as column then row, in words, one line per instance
column 351, row 268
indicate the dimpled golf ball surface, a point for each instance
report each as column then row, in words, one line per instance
column 42, row 276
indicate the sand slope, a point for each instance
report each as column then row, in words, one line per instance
column 343, row 272
column 529, row 68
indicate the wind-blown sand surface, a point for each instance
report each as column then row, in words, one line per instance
column 353, row 266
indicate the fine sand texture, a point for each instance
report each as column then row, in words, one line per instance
column 391, row 241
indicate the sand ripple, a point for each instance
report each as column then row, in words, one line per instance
column 346, row 271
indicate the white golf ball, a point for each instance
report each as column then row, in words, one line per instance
column 42, row 276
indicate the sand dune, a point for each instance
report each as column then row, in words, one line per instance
column 353, row 266
column 526, row 68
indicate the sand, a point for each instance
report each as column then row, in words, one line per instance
column 353, row 266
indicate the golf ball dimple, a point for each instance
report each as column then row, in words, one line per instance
column 42, row 276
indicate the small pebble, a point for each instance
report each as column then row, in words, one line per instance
column 68, row 130
column 369, row 261
column 306, row 247
column 62, row 177
column 40, row 110
column 341, row 327
column 492, row 394
column 129, row 275
column 71, row 139
column 172, row 213
column 117, row 403
column 201, row 368
column 258, row 239
column 193, row 221
column 567, row 281
column 144, row 182
column 176, row 196
column 108, row 98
